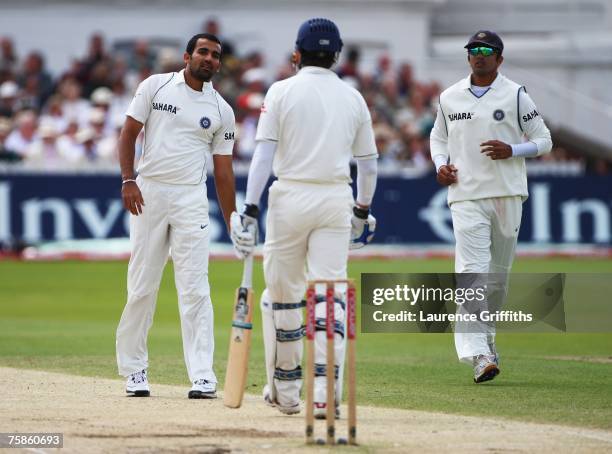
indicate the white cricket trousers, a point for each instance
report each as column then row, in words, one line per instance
column 307, row 235
column 175, row 218
column 486, row 232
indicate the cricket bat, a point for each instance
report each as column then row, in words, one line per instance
column 240, row 340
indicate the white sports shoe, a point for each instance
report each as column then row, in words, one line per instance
column 137, row 384
column 203, row 389
column 320, row 410
column 290, row 410
column 485, row 368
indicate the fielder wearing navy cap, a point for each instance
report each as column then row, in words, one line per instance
column 487, row 38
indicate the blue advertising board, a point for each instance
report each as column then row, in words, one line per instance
column 36, row 208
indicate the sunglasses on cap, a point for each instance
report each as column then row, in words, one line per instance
column 485, row 51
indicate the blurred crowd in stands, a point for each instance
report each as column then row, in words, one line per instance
column 72, row 121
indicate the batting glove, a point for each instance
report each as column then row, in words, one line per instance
column 363, row 225
column 250, row 216
column 244, row 231
column 242, row 238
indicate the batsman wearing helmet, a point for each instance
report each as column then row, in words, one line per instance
column 485, row 128
column 311, row 126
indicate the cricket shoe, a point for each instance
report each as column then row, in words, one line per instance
column 137, row 384
column 203, row 389
column 287, row 410
column 485, row 368
column 320, row 410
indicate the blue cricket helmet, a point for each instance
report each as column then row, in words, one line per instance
column 319, row 35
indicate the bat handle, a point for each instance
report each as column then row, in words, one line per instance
column 247, row 272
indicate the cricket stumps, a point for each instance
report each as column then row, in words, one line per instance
column 330, row 289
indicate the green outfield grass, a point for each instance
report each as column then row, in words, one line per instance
column 62, row 317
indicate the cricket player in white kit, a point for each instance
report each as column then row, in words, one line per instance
column 485, row 128
column 311, row 126
column 185, row 122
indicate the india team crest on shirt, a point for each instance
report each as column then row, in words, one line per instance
column 205, row 122
column 499, row 115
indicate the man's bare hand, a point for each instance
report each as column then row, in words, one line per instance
column 496, row 149
column 132, row 198
column 447, row 175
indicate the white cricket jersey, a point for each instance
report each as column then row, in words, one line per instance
column 320, row 123
column 505, row 112
column 183, row 127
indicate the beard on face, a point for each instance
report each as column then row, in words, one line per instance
column 199, row 73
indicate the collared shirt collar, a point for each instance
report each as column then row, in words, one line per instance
column 180, row 79
column 466, row 83
column 315, row 70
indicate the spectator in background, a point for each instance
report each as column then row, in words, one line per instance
column 432, row 92
column 120, row 100
column 9, row 92
column 212, row 27
column 123, row 80
column 72, row 72
column 401, row 106
column 6, row 154
column 67, row 142
column 25, row 133
column 43, row 152
column 367, row 86
column 29, row 97
column 248, row 126
column 142, row 57
column 35, row 79
column 8, row 59
column 386, row 100
column 53, row 113
column 87, row 147
column 253, row 81
column 97, row 123
column 386, row 143
column 384, row 69
column 100, row 76
column 287, row 69
column 74, row 107
column 350, row 68
column 253, row 60
column 101, row 100
column 96, row 54
column 168, row 61
column 248, row 106
column 411, row 153
column 107, row 146
column 405, row 80
column 416, row 112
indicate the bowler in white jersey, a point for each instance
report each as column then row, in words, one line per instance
column 485, row 128
column 311, row 126
column 186, row 123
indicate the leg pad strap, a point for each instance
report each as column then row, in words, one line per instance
column 288, row 375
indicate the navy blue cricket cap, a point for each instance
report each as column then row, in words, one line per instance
column 486, row 38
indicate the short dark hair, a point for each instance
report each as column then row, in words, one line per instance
column 194, row 39
column 317, row 58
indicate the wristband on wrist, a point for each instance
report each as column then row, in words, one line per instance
column 127, row 180
column 361, row 213
column 251, row 210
